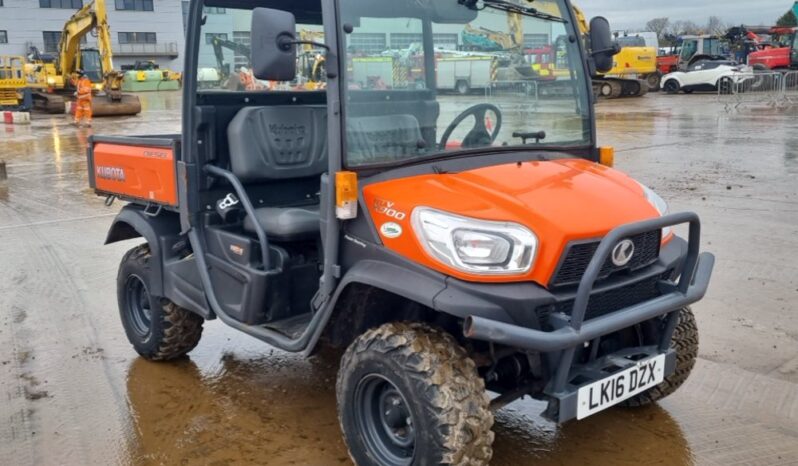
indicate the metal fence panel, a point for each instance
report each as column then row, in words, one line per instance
column 756, row 88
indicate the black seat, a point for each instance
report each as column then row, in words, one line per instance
column 283, row 142
column 385, row 138
column 286, row 223
column 280, row 142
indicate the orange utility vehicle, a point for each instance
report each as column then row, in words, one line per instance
column 460, row 277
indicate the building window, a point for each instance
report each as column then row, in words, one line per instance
column 401, row 41
column 71, row 4
column 445, row 41
column 137, row 38
column 52, row 39
column 209, row 37
column 213, row 10
column 536, row 41
column 134, row 5
column 3, row 35
column 243, row 38
column 367, row 42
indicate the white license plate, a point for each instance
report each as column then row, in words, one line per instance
column 620, row 386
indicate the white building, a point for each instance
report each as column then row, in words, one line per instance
column 140, row 29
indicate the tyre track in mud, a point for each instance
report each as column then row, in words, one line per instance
column 17, row 429
column 74, row 392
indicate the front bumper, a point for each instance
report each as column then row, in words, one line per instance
column 571, row 332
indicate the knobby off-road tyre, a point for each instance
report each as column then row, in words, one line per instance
column 685, row 342
column 410, row 395
column 158, row 329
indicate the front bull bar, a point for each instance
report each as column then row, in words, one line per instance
column 570, row 333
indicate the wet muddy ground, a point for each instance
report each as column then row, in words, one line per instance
column 73, row 392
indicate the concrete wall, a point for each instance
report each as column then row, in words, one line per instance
column 24, row 21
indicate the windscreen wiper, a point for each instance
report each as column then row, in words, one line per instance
column 509, row 7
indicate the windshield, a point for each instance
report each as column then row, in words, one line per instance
column 631, row 41
column 794, row 51
column 689, row 48
column 224, row 54
column 427, row 79
column 90, row 63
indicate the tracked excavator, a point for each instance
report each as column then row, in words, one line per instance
column 639, row 61
column 311, row 64
column 53, row 78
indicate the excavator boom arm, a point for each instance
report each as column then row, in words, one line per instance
column 92, row 16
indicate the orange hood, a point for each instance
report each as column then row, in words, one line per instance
column 560, row 201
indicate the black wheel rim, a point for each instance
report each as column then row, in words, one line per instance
column 384, row 420
column 139, row 307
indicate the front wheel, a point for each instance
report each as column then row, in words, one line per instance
column 158, row 329
column 685, row 342
column 410, row 395
column 462, row 87
column 671, row 86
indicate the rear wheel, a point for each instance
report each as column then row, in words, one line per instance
column 157, row 328
column 685, row 342
column 462, row 87
column 409, row 394
column 653, row 81
column 725, row 86
column 671, row 86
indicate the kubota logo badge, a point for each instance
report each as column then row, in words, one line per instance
column 622, row 252
column 110, row 173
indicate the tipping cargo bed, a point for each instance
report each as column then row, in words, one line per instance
column 141, row 169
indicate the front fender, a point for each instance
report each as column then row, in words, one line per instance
column 427, row 287
column 133, row 222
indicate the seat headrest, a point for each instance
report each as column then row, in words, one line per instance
column 268, row 143
column 386, row 138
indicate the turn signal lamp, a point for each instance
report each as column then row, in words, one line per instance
column 346, row 195
column 607, row 156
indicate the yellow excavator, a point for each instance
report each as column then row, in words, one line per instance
column 635, row 68
column 53, row 78
column 634, row 72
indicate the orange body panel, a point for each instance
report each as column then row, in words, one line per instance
column 145, row 173
column 560, row 201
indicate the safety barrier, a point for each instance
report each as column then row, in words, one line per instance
column 770, row 89
column 791, row 88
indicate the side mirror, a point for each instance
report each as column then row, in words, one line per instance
column 602, row 47
column 273, row 53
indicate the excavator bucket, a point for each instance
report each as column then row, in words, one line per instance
column 102, row 106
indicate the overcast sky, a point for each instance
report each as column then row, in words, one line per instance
column 628, row 14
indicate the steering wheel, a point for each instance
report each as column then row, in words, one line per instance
column 479, row 136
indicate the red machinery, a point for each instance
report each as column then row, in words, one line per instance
column 774, row 54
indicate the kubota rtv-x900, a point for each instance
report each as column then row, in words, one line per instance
column 466, row 249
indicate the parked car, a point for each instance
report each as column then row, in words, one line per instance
column 707, row 75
